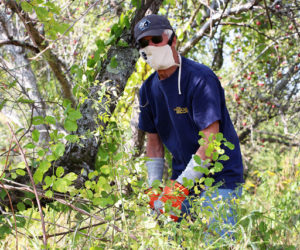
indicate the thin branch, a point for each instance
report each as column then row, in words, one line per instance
column 33, row 185
column 72, row 230
column 218, row 22
column 247, row 26
column 216, row 17
column 13, row 212
column 64, row 202
column 39, row 41
column 191, row 20
column 268, row 14
column 20, row 44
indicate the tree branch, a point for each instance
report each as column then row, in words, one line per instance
column 20, row 44
column 215, row 18
column 33, row 185
column 39, row 41
column 64, row 202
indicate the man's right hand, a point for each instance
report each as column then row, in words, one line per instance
column 153, row 195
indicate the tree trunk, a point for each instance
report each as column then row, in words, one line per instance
column 112, row 82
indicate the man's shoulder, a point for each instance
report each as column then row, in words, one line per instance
column 146, row 87
column 198, row 69
column 149, row 81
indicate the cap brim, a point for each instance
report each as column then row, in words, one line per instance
column 157, row 32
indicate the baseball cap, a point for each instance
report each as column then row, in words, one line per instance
column 151, row 25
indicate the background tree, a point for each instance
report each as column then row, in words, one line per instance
column 69, row 81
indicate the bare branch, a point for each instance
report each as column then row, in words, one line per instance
column 33, row 185
column 20, row 44
column 63, row 201
column 39, row 41
column 216, row 17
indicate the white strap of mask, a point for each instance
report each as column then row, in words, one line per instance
column 179, row 75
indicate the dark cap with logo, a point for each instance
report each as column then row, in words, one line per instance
column 152, row 25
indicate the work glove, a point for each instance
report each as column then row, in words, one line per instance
column 176, row 193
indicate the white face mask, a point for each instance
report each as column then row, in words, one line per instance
column 158, row 57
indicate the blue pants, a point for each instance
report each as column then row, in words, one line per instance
column 220, row 204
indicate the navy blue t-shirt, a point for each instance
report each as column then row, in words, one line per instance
column 178, row 118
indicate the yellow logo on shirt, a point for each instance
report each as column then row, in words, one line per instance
column 180, row 110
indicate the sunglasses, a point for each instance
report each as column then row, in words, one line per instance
column 142, row 43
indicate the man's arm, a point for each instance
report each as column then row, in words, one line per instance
column 189, row 171
column 155, row 153
column 154, row 148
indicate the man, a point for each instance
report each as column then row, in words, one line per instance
column 180, row 99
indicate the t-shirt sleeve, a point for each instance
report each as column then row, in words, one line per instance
column 146, row 120
column 207, row 102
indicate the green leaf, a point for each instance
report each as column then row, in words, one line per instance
column 20, row 172
column 101, row 46
column 218, row 167
column 2, row 104
column 49, row 194
column 215, row 156
column 113, row 62
column 44, row 166
column 99, row 202
column 198, row 160
column 21, row 206
column 38, row 176
column 229, row 145
column 219, row 137
column 29, row 146
column 58, row 149
column 35, row 135
column 72, row 138
column 23, row 100
column 136, row 3
column 52, row 7
column 66, row 103
column 70, row 177
column 60, row 185
column 209, row 150
column 50, row 120
column 105, row 169
column 188, row 183
column 74, row 115
column 20, row 221
column 49, row 181
column 41, row 13
column 92, row 174
column 224, row 158
column 59, row 171
column 209, row 181
column 41, row 152
column 70, row 125
column 118, row 156
column 21, row 165
column 37, row 120
column 88, row 184
column 201, row 133
column 61, row 27
column 202, row 170
column 26, row 6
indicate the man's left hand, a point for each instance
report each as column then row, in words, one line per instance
column 176, row 193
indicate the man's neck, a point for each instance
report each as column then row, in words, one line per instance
column 165, row 73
